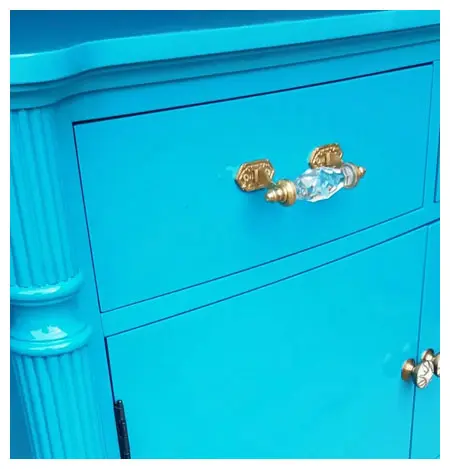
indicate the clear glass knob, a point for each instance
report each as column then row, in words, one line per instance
column 315, row 184
column 322, row 183
column 319, row 184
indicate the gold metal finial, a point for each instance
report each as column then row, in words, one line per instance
column 283, row 192
column 360, row 171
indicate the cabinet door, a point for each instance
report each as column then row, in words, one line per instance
column 426, row 434
column 307, row 367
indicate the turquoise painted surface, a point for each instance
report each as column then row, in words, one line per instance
column 43, row 295
column 168, row 180
column 57, row 63
column 272, row 69
column 50, row 353
column 34, row 31
column 432, row 182
column 86, row 299
column 304, row 368
column 20, row 446
column 437, row 196
column 145, row 312
column 426, row 430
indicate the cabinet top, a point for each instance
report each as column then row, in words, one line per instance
column 42, row 30
column 51, row 45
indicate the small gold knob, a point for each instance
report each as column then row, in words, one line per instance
column 421, row 374
column 429, row 355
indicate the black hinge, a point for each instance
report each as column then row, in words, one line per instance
column 122, row 432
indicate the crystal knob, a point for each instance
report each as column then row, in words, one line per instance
column 429, row 355
column 316, row 184
column 421, row 374
column 327, row 175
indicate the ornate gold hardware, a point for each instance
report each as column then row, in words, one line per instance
column 429, row 355
column 421, row 374
column 255, row 175
column 327, row 155
column 313, row 185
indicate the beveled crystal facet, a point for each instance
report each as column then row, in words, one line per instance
column 320, row 183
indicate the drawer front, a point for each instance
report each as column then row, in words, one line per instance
column 291, row 370
column 426, row 434
column 164, row 212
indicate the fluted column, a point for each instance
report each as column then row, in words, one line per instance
column 49, row 343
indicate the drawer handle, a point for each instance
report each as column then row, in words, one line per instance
column 433, row 358
column 420, row 373
column 326, row 175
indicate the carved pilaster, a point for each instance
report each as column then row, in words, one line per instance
column 48, row 341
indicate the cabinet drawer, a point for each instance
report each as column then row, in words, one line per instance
column 164, row 212
column 282, row 372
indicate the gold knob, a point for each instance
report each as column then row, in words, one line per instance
column 421, row 374
column 429, row 355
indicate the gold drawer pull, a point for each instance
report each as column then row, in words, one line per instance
column 326, row 175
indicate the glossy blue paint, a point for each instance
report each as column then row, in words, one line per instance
column 354, row 56
column 141, row 62
column 437, row 196
column 192, row 178
column 45, row 294
column 426, row 434
column 19, row 436
column 285, row 371
column 37, row 65
column 433, row 136
column 113, row 24
column 48, row 340
column 146, row 312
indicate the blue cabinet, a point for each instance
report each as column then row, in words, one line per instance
column 158, row 310
column 426, row 435
column 304, row 368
